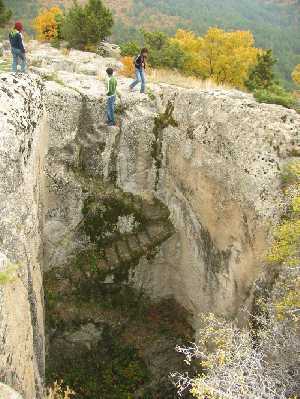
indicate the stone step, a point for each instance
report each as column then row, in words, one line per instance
column 134, row 244
column 123, row 251
column 144, row 241
column 112, row 257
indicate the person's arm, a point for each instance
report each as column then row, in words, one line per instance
column 107, row 86
column 21, row 43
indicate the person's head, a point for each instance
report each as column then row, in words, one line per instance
column 144, row 52
column 110, row 71
column 19, row 26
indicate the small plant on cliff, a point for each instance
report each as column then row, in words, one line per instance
column 56, row 391
column 85, row 26
column 9, row 274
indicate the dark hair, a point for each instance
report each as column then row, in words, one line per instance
column 110, row 71
column 144, row 50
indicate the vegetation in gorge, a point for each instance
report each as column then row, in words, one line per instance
column 105, row 337
column 261, row 360
column 56, row 391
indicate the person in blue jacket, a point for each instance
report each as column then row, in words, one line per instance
column 17, row 47
column 140, row 66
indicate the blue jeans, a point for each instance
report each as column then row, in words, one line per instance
column 18, row 59
column 140, row 78
column 111, row 110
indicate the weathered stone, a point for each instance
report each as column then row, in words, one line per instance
column 8, row 393
column 22, row 147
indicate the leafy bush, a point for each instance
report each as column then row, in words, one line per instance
column 85, row 26
column 130, row 49
column 275, row 94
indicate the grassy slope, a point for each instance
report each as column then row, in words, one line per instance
column 275, row 23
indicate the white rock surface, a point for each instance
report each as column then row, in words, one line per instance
column 8, row 393
column 21, row 292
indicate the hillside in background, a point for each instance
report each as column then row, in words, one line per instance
column 275, row 23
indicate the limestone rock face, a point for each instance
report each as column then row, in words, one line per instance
column 217, row 161
column 212, row 157
column 21, row 292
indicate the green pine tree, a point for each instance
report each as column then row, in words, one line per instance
column 85, row 26
column 262, row 75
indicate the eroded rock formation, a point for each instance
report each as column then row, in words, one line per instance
column 177, row 202
column 22, row 146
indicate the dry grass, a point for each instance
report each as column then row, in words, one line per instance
column 57, row 392
column 175, row 78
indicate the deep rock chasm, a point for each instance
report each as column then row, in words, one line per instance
column 128, row 232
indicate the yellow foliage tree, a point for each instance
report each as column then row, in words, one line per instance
column 128, row 67
column 225, row 57
column 296, row 74
column 46, row 24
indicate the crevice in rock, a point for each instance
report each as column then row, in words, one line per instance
column 161, row 122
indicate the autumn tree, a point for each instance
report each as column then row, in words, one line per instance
column 47, row 24
column 296, row 74
column 5, row 14
column 85, row 26
column 191, row 46
column 225, row 57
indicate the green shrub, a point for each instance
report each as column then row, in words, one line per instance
column 130, row 49
column 275, row 95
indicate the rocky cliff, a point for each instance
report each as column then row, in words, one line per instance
column 21, row 178
column 177, row 202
